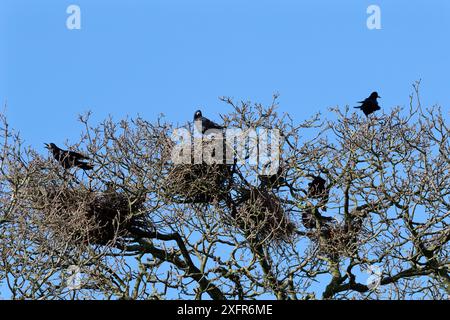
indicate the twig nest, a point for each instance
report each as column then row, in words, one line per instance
column 114, row 215
column 89, row 217
column 197, row 183
column 262, row 217
column 199, row 172
column 339, row 239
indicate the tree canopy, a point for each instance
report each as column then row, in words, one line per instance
column 141, row 226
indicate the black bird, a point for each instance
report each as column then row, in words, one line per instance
column 309, row 219
column 317, row 189
column 273, row 181
column 369, row 105
column 69, row 159
column 206, row 124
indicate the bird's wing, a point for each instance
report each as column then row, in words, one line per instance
column 77, row 155
column 367, row 103
column 210, row 124
column 363, row 104
column 84, row 165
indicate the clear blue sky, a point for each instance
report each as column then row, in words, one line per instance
column 151, row 56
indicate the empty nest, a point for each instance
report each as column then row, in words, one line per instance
column 197, row 183
column 339, row 239
column 91, row 217
column 261, row 216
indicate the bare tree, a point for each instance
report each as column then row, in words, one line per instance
column 141, row 226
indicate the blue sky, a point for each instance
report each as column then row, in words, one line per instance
column 165, row 56
column 147, row 57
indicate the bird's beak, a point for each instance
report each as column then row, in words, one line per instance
column 47, row 146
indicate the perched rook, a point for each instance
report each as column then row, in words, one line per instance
column 317, row 189
column 205, row 123
column 369, row 105
column 69, row 159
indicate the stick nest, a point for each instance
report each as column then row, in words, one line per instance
column 90, row 217
column 261, row 216
column 339, row 239
column 197, row 183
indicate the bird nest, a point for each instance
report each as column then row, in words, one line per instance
column 197, row 183
column 90, row 217
column 262, row 217
column 339, row 239
column 202, row 182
